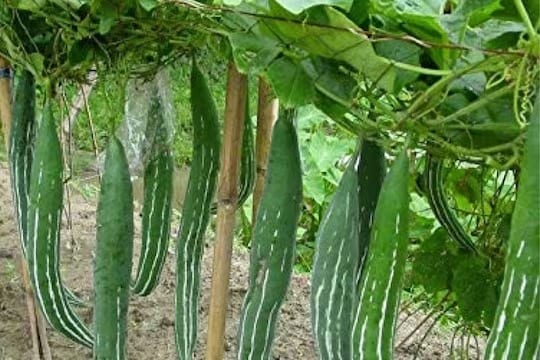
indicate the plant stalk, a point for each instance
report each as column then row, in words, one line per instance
column 227, row 200
column 525, row 18
column 267, row 114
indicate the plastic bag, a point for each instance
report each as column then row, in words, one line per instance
column 149, row 120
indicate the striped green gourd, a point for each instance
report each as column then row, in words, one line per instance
column 515, row 331
column 247, row 162
column 334, row 269
column 114, row 250
column 273, row 243
column 44, row 217
column 434, row 188
column 380, row 286
column 20, row 149
column 342, row 242
column 156, row 217
column 371, row 172
column 196, row 212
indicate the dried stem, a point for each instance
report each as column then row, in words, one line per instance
column 267, row 113
column 227, row 199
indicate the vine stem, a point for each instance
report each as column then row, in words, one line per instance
column 483, row 101
column 227, row 200
column 525, row 18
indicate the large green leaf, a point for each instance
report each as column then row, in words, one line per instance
column 432, row 266
column 327, row 32
column 290, row 82
column 297, row 6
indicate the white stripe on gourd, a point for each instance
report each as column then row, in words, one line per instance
column 196, row 213
column 114, row 251
column 515, row 331
column 371, row 173
column 336, row 257
column 44, row 215
column 20, row 150
column 439, row 204
column 273, row 243
column 380, row 285
column 155, row 222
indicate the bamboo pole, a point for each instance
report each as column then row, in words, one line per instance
column 227, row 199
column 38, row 332
column 5, row 104
column 267, row 114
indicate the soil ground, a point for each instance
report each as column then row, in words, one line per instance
column 151, row 326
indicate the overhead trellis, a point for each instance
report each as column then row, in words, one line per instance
column 407, row 72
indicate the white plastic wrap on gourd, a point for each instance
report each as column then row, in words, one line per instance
column 142, row 129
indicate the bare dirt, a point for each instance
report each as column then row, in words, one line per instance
column 151, row 319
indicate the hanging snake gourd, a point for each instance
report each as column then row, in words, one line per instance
column 20, row 150
column 515, row 331
column 273, row 243
column 196, row 213
column 156, row 213
column 44, row 216
column 371, row 173
column 114, row 251
column 378, row 297
column 342, row 242
column 334, row 269
column 439, row 204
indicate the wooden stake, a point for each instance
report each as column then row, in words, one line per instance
column 5, row 104
column 267, row 114
column 227, row 199
column 38, row 333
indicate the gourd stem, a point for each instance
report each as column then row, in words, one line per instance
column 525, row 18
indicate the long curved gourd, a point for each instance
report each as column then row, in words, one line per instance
column 114, row 250
column 342, row 244
column 333, row 278
column 371, row 173
column 155, row 222
column 273, row 243
column 196, row 213
column 44, row 215
column 515, row 331
column 380, row 286
column 20, row 150
column 439, row 204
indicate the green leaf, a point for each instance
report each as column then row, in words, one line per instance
column 404, row 52
column 330, row 80
column 253, row 53
column 297, row 6
column 290, row 82
column 326, row 150
column 80, row 52
column 326, row 32
column 473, row 287
column 314, row 187
column 148, row 5
column 37, row 62
column 432, row 263
column 30, row 5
